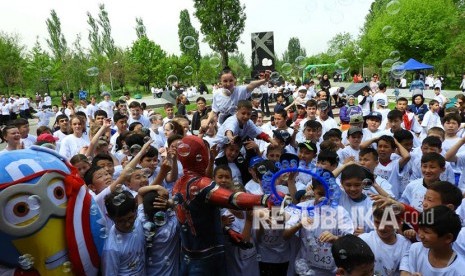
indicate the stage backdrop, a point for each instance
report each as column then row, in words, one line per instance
column 263, row 57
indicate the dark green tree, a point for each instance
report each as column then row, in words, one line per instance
column 293, row 50
column 185, row 29
column 11, row 61
column 222, row 23
column 95, row 40
column 140, row 27
column 57, row 41
column 146, row 58
column 108, row 44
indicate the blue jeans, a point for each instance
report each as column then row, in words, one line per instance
column 211, row 266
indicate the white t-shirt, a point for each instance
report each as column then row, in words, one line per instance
column 29, row 141
column 253, row 187
column 142, row 119
column 346, row 152
column 366, row 105
column 248, row 129
column 90, row 110
column 418, row 262
column 389, row 258
column 376, row 97
column 360, row 212
column 71, row 145
column 336, row 221
column 414, row 194
column 431, row 119
column 108, row 107
column 225, row 105
column 124, row 253
column 327, row 124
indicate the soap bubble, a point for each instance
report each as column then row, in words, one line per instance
column 262, row 169
column 300, row 62
column 66, row 267
column 342, row 254
column 172, row 80
column 287, row 92
column 394, row 55
column 393, row 7
column 286, row 68
column 285, row 176
column 367, row 183
column 256, row 95
column 103, row 233
column 159, row 218
column 398, row 70
column 189, row 42
column 286, row 135
column 135, row 149
column 259, row 258
column 184, row 149
column 313, row 72
column 214, row 61
column 188, row 70
column 198, row 157
column 240, row 159
column 92, row 72
column 387, row 31
column 34, row 202
column 194, row 190
column 301, row 266
column 119, row 188
column 386, row 65
column 119, row 238
column 26, row 261
column 274, row 76
column 93, row 210
column 146, row 139
column 147, row 172
column 342, row 66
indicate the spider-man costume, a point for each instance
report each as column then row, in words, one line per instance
column 198, row 212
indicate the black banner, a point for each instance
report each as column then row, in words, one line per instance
column 263, row 57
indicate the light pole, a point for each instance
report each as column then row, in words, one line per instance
column 111, row 79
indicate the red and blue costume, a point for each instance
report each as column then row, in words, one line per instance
column 198, row 211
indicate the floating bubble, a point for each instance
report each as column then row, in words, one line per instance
column 394, row 55
column 119, row 238
column 367, row 183
column 184, row 149
column 342, row 66
column 187, row 260
column 286, row 68
column 93, row 210
column 237, row 183
column 188, row 70
column 393, row 7
column 92, row 72
column 301, row 266
column 134, row 149
column 313, row 72
column 189, row 42
column 214, row 61
column 274, row 76
column 387, row 31
column 285, row 176
column 386, row 65
column 287, row 92
column 398, row 70
column 259, row 258
column 34, row 202
column 225, row 92
column 300, row 62
column 146, row 139
column 286, row 135
column 342, row 254
column 256, row 95
column 159, row 218
column 149, row 229
column 172, row 80
column 198, row 158
column 26, row 261
column 240, row 159
column 194, row 190
column 66, row 267
column 147, row 172
column 262, row 169
column 103, row 233
column 119, row 188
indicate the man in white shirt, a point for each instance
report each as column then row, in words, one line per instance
column 91, row 108
column 381, row 94
column 47, row 100
column 326, row 121
column 107, row 104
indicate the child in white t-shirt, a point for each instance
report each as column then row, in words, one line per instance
column 317, row 230
column 438, row 228
column 388, row 246
column 354, row 136
column 431, row 118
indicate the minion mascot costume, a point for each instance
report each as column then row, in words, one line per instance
column 49, row 223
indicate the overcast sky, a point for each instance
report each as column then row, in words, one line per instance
column 314, row 22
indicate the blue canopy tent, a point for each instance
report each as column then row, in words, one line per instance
column 412, row 65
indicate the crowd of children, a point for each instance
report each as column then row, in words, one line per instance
column 399, row 177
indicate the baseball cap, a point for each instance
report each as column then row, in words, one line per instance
column 301, row 105
column 283, row 135
column 323, row 105
column 374, row 114
column 47, row 137
column 308, row 145
column 381, row 102
column 351, row 96
column 255, row 160
column 356, row 119
column 302, row 88
column 105, row 94
column 353, row 130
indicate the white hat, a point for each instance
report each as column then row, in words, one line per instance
column 302, row 88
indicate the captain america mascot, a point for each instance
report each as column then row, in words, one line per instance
column 198, row 201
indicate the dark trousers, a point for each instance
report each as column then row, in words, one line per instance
column 272, row 269
column 211, row 266
column 264, row 104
